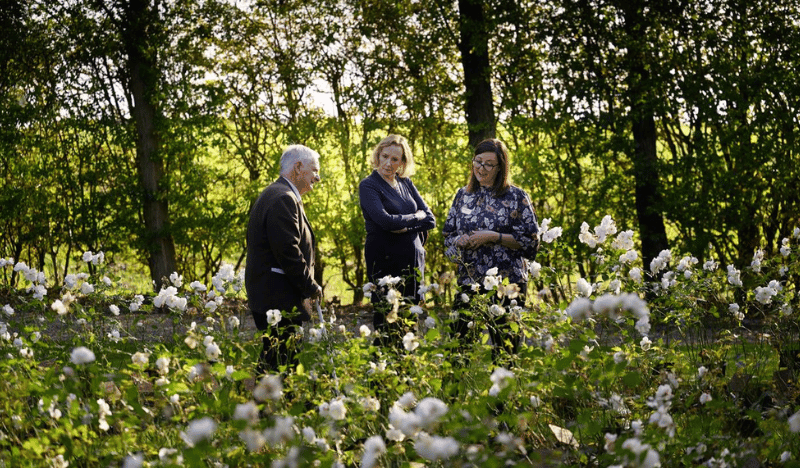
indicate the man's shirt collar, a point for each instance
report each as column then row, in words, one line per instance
column 294, row 189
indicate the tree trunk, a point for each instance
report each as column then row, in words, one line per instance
column 139, row 19
column 648, row 194
column 474, row 47
column 644, row 155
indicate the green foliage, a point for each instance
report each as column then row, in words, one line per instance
column 601, row 377
column 236, row 85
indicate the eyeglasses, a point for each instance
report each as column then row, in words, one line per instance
column 484, row 165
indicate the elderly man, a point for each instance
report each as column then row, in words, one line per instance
column 279, row 274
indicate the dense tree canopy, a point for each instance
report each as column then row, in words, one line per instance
column 145, row 128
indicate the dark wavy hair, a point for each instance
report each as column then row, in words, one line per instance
column 502, row 181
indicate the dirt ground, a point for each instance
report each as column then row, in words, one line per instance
column 161, row 325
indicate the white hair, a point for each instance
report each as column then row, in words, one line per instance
column 294, row 153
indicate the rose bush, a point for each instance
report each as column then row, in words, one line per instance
column 668, row 364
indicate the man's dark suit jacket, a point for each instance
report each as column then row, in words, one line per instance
column 279, row 237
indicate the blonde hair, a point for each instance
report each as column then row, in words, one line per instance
column 408, row 168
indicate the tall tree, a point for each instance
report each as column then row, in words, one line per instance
column 14, row 53
column 733, row 131
column 474, row 46
column 641, row 98
column 605, row 56
column 140, row 27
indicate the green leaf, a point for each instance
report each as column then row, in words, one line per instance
column 632, row 379
column 241, row 375
column 576, row 346
column 37, row 446
column 563, row 363
column 436, row 384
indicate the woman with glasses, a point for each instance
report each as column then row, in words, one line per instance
column 397, row 222
column 491, row 225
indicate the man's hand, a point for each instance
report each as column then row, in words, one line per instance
column 308, row 303
column 308, row 306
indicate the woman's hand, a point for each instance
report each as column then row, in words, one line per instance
column 484, row 237
column 419, row 215
column 475, row 239
column 463, row 241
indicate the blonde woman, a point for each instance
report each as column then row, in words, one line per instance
column 397, row 221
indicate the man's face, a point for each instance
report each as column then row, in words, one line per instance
column 307, row 175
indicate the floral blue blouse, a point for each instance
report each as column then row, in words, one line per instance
column 511, row 213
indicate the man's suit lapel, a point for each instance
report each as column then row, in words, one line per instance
column 311, row 231
column 305, row 218
column 302, row 209
column 308, row 224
